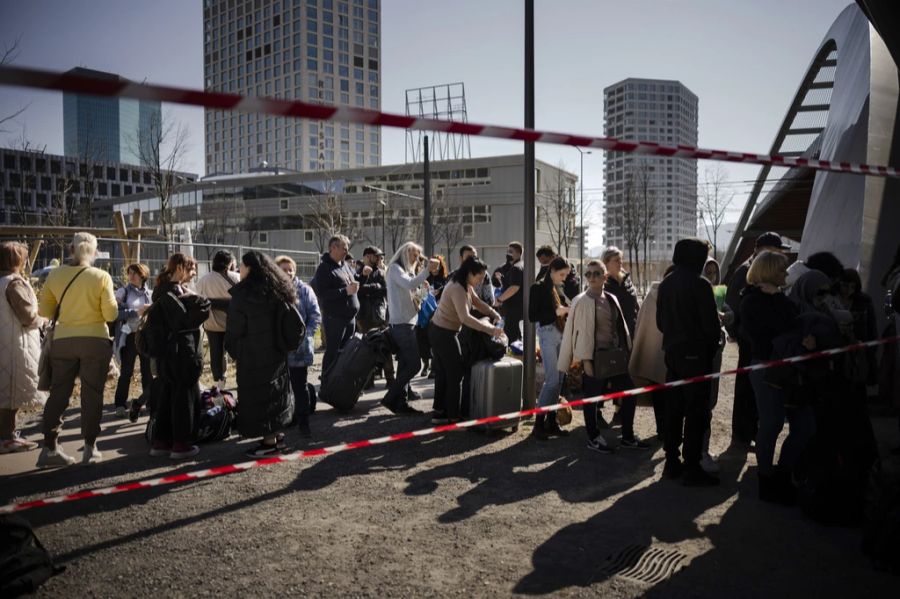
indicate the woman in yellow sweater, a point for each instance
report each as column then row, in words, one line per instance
column 83, row 297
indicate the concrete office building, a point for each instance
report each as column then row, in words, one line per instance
column 665, row 112
column 48, row 189
column 325, row 51
column 105, row 129
column 477, row 201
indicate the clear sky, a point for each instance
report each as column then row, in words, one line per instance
column 743, row 59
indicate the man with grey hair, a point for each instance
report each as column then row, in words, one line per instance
column 336, row 287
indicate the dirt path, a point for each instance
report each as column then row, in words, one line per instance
column 461, row 514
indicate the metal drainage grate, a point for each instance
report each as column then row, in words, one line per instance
column 644, row 564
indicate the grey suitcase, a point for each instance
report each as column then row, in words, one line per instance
column 496, row 388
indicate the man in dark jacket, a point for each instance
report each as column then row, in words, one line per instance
column 744, row 417
column 373, row 302
column 336, row 288
column 512, row 281
column 689, row 321
column 570, row 287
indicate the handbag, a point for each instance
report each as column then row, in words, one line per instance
column 610, row 362
column 426, row 311
column 564, row 413
column 557, row 302
column 44, row 370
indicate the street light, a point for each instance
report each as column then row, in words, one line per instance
column 383, row 206
column 581, row 180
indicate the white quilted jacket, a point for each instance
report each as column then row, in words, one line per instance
column 20, row 349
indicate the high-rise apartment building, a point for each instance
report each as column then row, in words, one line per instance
column 325, row 51
column 649, row 196
column 106, row 129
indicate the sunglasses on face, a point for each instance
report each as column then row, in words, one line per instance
column 594, row 273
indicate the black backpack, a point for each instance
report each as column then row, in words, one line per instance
column 289, row 327
column 24, row 563
column 151, row 337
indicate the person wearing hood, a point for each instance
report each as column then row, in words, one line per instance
column 337, row 289
column 689, row 321
column 843, row 428
column 767, row 314
column 744, row 417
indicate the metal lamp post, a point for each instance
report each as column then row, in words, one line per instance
column 581, row 241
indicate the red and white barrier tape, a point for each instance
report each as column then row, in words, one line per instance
column 311, row 453
column 68, row 82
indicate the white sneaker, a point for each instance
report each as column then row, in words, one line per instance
column 91, row 455
column 54, row 458
column 708, row 464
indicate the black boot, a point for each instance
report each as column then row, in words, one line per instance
column 539, row 431
column 552, row 426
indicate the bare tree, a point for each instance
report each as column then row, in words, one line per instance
column 9, row 53
column 328, row 218
column 560, row 214
column 161, row 148
column 639, row 216
column 448, row 222
column 631, row 229
column 24, row 177
column 713, row 203
column 648, row 213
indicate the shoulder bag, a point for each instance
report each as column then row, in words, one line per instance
column 610, row 362
column 44, row 370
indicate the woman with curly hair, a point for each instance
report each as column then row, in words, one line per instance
column 253, row 338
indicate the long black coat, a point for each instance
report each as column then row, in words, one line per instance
column 627, row 297
column 266, row 403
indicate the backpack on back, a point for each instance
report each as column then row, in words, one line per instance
column 151, row 337
column 24, row 563
column 290, row 329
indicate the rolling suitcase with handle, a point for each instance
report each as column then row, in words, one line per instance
column 496, row 388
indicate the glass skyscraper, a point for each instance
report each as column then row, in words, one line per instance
column 325, row 51
column 105, row 129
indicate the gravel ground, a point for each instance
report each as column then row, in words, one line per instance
column 462, row 514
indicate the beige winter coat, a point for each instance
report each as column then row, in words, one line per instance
column 213, row 285
column 20, row 348
column 578, row 336
column 647, row 364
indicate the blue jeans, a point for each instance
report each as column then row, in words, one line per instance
column 408, row 363
column 770, row 405
column 550, row 340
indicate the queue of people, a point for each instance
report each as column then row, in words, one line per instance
column 249, row 308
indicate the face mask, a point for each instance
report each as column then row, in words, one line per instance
column 510, row 259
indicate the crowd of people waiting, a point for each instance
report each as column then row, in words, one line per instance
column 597, row 340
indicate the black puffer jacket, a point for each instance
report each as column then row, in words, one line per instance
column 686, row 311
column 264, row 386
column 627, row 297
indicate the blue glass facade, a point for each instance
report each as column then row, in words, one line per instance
column 105, row 129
